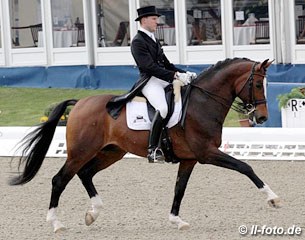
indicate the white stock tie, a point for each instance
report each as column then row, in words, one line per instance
column 153, row 37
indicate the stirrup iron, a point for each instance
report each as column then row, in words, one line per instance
column 156, row 156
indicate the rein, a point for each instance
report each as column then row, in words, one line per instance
column 214, row 96
column 240, row 107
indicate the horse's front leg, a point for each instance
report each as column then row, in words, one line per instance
column 184, row 172
column 221, row 159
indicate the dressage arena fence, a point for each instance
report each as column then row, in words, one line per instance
column 242, row 143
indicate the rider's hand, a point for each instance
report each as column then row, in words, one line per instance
column 192, row 75
column 183, row 77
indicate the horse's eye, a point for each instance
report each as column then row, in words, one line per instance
column 259, row 85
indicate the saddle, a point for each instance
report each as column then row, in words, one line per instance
column 165, row 142
column 115, row 105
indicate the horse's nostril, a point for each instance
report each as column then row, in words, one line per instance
column 261, row 119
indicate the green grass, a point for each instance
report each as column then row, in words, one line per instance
column 25, row 106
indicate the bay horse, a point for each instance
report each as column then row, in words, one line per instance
column 95, row 140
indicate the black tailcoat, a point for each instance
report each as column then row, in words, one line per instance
column 151, row 61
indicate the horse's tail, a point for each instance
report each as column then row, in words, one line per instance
column 36, row 144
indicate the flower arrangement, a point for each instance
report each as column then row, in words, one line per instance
column 50, row 108
column 295, row 93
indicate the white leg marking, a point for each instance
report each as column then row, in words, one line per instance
column 272, row 199
column 178, row 221
column 93, row 213
column 52, row 218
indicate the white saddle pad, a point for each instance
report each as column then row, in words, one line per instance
column 137, row 114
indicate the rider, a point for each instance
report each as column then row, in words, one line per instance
column 156, row 70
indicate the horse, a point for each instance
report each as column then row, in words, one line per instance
column 95, row 140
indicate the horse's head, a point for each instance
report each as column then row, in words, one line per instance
column 251, row 90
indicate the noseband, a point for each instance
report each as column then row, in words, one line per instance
column 251, row 104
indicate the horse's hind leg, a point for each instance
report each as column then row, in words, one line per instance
column 221, row 159
column 184, row 172
column 86, row 173
column 59, row 183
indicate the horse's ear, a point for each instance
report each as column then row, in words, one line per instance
column 265, row 64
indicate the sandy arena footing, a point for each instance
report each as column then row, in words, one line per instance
column 137, row 199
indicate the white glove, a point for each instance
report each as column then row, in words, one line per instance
column 184, row 78
column 192, row 75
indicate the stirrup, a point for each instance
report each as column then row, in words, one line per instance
column 156, row 156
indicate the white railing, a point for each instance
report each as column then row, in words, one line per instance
column 241, row 143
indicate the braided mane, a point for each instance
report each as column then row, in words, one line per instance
column 220, row 65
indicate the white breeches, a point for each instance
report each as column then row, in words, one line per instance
column 155, row 94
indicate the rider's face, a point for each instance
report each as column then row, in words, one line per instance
column 150, row 23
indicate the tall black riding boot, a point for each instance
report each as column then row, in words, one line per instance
column 154, row 153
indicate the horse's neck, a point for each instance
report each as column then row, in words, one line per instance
column 221, row 87
column 217, row 92
column 208, row 107
column 215, row 96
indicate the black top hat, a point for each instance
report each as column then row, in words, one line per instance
column 147, row 11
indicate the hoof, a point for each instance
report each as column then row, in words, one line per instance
column 183, row 226
column 59, row 227
column 275, row 203
column 179, row 222
column 89, row 219
column 60, row 230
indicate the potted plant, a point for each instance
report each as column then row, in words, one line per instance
column 292, row 106
column 295, row 93
column 64, row 118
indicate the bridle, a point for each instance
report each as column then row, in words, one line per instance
column 249, row 106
